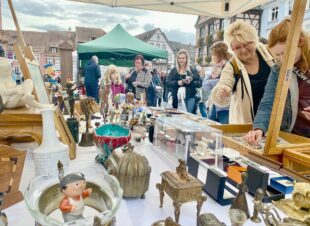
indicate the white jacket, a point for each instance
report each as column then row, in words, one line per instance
column 240, row 109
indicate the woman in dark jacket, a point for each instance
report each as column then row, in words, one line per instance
column 183, row 76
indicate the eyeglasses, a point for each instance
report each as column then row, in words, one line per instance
column 247, row 46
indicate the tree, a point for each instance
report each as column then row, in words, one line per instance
column 220, row 35
column 208, row 59
column 199, row 60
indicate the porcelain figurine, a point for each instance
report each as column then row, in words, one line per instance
column 240, row 201
column 73, row 187
column 14, row 96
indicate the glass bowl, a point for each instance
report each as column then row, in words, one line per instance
column 43, row 197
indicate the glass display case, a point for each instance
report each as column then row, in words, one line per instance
column 182, row 138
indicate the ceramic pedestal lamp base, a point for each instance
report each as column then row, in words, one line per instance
column 51, row 149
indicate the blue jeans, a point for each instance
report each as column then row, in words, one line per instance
column 202, row 109
column 219, row 116
column 191, row 105
column 92, row 91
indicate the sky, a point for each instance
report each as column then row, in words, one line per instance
column 42, row 15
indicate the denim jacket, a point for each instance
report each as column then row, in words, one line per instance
column 262, row 117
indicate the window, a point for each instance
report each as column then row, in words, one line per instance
column 49, row 60
column 202, row 32
column 151, row 43
column 200, row 52
column 158, row 36
column 93, row 37
column 157, row 45
column 222, row 25
column 169, row 57
column 53, row 49
column 163, row 46
column 211, row 28
column 274, row 13
column 37, row 55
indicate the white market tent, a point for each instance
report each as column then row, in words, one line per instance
column 211, row 8
column 225, row 9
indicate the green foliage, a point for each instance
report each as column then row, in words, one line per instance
column 220, row 35
column 199, row 60
column 208, row 59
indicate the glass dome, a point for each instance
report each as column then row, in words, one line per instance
column 43, row 197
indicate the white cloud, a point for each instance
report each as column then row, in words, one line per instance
column 61, row 14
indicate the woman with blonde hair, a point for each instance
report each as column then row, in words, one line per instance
column 183, row 75
column 243, row 79
column 296, row 116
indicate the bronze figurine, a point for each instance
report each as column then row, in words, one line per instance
column 167, row 222
column 208, row 219
column 181, row 170
column 240, row 201
column 259, row 195
column 61, row 172
column 71, row 87
column 88, row 106
column 237, row 217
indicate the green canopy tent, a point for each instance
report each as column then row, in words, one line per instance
column 119, row 47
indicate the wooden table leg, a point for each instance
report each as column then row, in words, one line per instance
column 177, row 207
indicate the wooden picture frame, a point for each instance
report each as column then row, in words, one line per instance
column 39, row 86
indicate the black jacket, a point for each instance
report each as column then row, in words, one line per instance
column 174, row 77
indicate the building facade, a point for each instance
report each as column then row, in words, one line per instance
column 176, row 46
column 276, row 10
column 53, row 47
column 158, row 39
column 210, row 30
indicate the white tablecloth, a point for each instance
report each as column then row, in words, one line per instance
column 132, row 212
